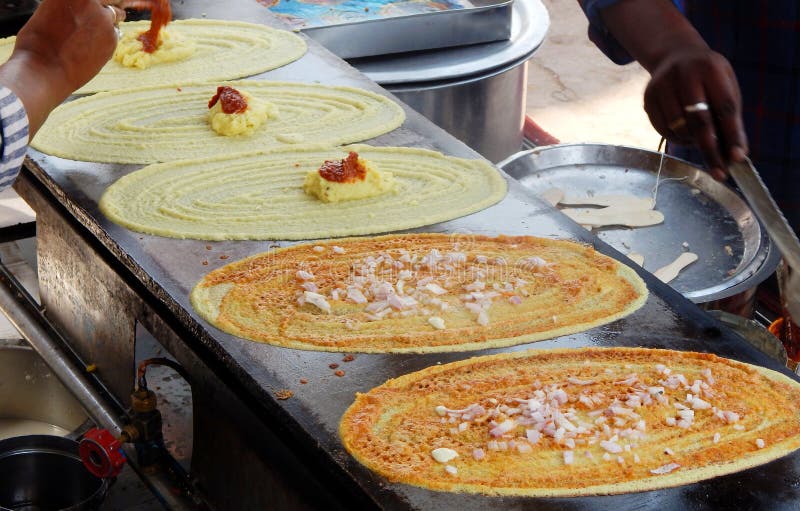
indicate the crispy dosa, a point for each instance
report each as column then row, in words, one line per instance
column 574, row 422
column 418, row 293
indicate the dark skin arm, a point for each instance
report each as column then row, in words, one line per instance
column 62, row 46
column 684, row 71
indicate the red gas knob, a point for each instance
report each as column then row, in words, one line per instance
column 101, row 453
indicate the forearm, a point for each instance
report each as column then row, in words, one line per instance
column 37, row 85
column 650, row 30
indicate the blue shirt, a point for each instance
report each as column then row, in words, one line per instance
column 761, row 40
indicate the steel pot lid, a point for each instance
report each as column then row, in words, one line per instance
column 701, row 214
column 529, row 24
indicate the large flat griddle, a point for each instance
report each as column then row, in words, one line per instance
column 167, row 269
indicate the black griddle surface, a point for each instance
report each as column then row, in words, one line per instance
column 166, row 270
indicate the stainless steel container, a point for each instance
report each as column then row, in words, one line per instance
column 42, row 472
column 477, row 92
column 32, row 399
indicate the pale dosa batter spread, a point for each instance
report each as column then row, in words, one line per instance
column 223, row 50
column 574, row 422
column 151, row 124
column 260, row 195
column 418, row 293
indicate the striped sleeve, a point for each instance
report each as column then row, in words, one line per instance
column 13, row 136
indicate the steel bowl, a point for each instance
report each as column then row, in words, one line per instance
column 45, row 473
column 32, row 399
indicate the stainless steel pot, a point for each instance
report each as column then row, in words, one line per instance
column 477, row 92
column 43, row 472
column 32, row 399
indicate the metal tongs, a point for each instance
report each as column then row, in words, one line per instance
column 752, row 187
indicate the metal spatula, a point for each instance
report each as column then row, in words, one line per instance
column 765, row 208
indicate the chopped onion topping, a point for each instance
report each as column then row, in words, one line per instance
column 443, row 454
column 569, row 457
column 630, row 380
column 578, row 381
column 760, row 443
column 533, row 435
column 451, row 469
column 435, row 289
column 478, row 454
column 503, row 428
column 436, row 322
column 355, row 295
column 665, row 469
column 699, row 404
column 611, row 447
column 309, row 286
column 304, row 275
column 318, row 301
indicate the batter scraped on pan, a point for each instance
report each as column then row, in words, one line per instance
column 261, row 196
column 152, row 124
column 196, row 51
column 418, row 293
column 574, row 422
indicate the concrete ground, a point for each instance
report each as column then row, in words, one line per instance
column 577, row 95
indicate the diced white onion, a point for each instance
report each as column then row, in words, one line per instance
column 318, row 301
column 443, row 454
column 436, row 322
column 665, row 469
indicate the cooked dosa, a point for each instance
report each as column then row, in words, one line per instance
column 418, row 293
column 153, row 124
column 224, row 50
column 260, row 195
column 573, row 422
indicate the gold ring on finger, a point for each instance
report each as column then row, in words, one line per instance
column 677, row 124
column 113, row 13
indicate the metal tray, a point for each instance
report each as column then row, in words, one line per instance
column 735, row 253
column 362, row 28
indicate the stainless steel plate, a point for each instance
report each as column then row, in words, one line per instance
column 701, row 215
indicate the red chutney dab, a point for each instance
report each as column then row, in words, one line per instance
column 161, row 14
column 343, row 171
column 231, row 100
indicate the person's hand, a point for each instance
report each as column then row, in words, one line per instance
column 693, row 98
column 62, row 46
